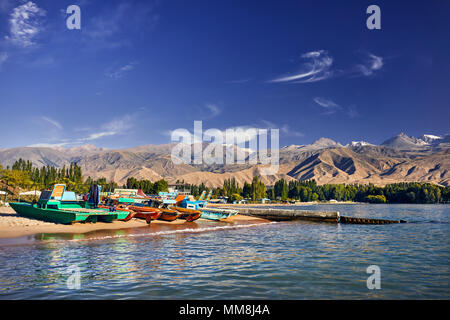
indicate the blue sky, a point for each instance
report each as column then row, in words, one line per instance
column 138, row 69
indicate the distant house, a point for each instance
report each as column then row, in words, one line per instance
column 264, row 200
column 126, row 192
column 179, row 189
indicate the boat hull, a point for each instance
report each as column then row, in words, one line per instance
column 168, row 215
column 148, row 216
column 188, row 214
column 217, row 214
column 65, row 216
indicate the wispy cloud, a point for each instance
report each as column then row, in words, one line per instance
column 25, row 24
column 316, row 69
column 114, row 127
column 372, row 64
column 111, row 128
column 120, row 72
column 3, row 58
column 320, row 67
column 48, row 145
column 284, row 129
column 95, row 136
column 53, row 122
column 329, row 106
column 332, row 107
column 213, row 111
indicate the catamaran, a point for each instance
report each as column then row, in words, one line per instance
column 61, row 206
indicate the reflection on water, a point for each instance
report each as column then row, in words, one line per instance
column 289, row 260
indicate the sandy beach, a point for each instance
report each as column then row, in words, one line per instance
column 13, row 225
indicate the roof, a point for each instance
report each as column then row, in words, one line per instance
column 30, row 193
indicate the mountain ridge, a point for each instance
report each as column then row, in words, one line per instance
column 400, row 158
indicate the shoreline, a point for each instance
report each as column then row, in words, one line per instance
column 280, row 204
column 14, row 226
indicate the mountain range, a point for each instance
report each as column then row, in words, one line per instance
column 399, row 159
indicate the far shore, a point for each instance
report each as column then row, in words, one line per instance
column 12, row 225
column 279, row 204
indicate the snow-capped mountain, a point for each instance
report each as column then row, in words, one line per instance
column 431, row 139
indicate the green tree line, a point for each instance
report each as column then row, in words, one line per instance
column 306, row 191
column 23, row 174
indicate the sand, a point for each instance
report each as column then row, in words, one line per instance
column 12, row 225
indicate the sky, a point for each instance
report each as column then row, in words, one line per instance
column 138, row 69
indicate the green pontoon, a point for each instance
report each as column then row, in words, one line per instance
column 60, row 206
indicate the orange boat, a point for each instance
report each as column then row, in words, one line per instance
column 188, row 214
column 148, row 216
column 146, row 213
column 168, row 214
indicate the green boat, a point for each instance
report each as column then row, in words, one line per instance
column 217, row 213
column 60, row 206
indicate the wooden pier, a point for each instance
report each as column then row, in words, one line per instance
column 322, row 216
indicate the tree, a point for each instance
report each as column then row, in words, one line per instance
column 376, row 199
column 235, row 197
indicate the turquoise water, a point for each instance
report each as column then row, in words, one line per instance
column 284, row 260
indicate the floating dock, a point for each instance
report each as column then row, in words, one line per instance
column 321, row 216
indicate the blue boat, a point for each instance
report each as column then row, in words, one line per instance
column 217, row 213
column 207, row 213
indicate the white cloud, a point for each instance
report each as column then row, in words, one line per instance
column 112, row 128
column 372, row 64
column 213, row 109
column 329, row 105
column 25, row 24
column 52, row 122
column 119, row 73
column 94, row 136
column 285, row 129
column 332, row 107
column 48, row 145
column 318, row 68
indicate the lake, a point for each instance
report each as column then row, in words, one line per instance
column 216, row 260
